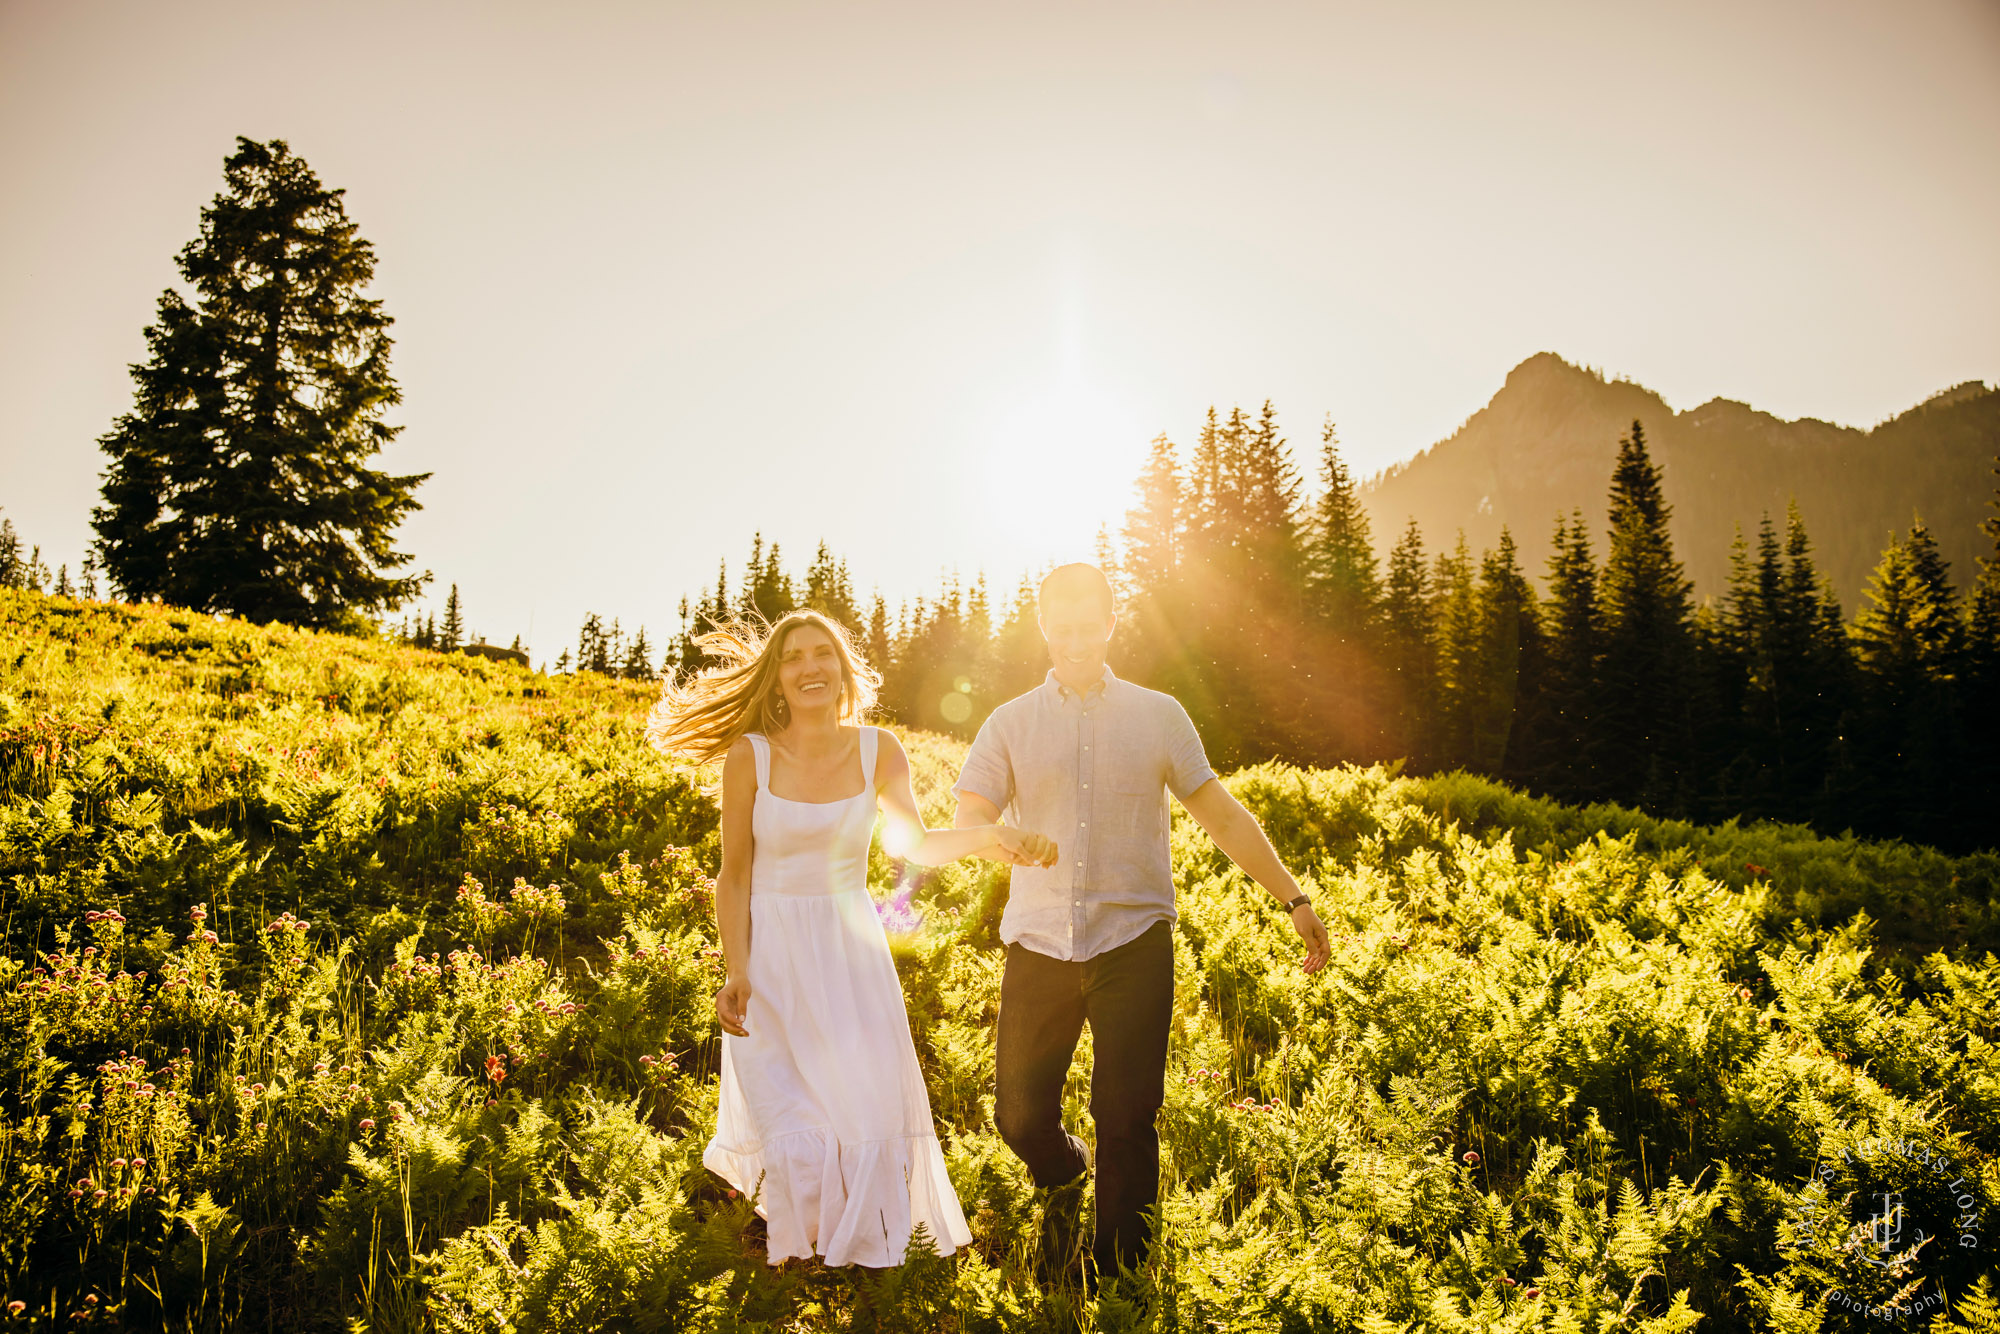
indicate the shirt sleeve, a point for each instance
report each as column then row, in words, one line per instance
column 988, row 771
column 1187, row 762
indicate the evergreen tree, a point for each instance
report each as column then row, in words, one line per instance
column 1340, row 557
column 1910, row 641
column 239, row 481
column 1460, row 687
column 13, row 570
column 1151, row 627
column 1020, row 658
column 90, row 575
column 562, row 663
column 1265, row 487
column 1409, row 650
column 1153, row 526
column 637, row 661
column 766, row 592
column 1647, row 721
column 878, row 635
column 593, row 645
column 829, row 589
column 1790, row 679
column 454, row 622
column 753, row 575
column 63, row 588
column 1566, row 759
column 1510, row 710
column 1982, row 680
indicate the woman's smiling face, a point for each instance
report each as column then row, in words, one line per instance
column 809, row 670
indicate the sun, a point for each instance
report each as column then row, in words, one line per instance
column 1058, row 462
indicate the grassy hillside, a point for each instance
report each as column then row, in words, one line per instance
column 348, row 986
column 1546, row 443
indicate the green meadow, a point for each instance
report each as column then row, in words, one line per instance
column 350, row 986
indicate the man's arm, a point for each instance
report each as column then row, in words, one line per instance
column 1242, row 840
column 974, row 811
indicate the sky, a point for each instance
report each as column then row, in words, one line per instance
column 923, row 281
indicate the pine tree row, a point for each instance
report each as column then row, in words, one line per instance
column 1274, row 621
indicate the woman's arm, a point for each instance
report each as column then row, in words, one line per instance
column 732, row 886
column 908, row 836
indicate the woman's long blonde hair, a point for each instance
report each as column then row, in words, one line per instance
column 702, row 719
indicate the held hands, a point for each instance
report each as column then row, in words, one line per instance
column 1313, row 932
column 732, row 1006
column 1021, row 848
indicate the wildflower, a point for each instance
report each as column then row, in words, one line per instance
column 1754, row 869
column 138, row 1164
column 16, row 1307
column 1745, row 993
column 1470, row 1157
column 1532, row 1292
column 367, row 1123
column 1509, row 1282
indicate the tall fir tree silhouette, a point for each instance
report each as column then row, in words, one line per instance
column 830, row 589
column 1982, row 669
column 1458, row 688
column 1910, row 641
column 240, row 480
column 1408, row 648
column 1647, row 700
column 454, row 622
column 1340, row 557
column 1565, row 761
column 1510, row 709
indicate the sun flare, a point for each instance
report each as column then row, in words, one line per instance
column 1058, row 463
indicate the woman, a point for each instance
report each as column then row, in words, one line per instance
column 823, row 1114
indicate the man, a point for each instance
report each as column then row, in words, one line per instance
column 1088, row 760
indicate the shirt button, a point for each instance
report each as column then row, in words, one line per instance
column 1079, row 903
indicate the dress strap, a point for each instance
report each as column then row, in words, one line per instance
column 761, row 748
column 870, row 737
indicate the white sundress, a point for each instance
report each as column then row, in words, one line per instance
column 823, row 1100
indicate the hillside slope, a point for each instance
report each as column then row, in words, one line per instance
column 1546, row 442
column 279, row 1050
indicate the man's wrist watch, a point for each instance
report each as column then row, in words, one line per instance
column 1297, row 903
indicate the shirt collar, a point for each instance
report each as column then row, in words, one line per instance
column 1062, row 692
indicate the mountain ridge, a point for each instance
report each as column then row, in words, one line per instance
column 1544, row 444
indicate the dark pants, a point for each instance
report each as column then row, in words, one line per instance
column 1126, row 995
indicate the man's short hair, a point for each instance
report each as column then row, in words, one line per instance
column 1075, row 583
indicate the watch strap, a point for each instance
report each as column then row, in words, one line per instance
column 1297, row 903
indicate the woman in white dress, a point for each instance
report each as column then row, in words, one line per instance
column 823, row 1116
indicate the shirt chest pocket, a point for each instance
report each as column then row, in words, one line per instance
column 1134, row 801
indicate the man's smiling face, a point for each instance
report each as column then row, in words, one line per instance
column 1078, row 633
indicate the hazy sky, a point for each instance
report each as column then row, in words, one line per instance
column 923, row 280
